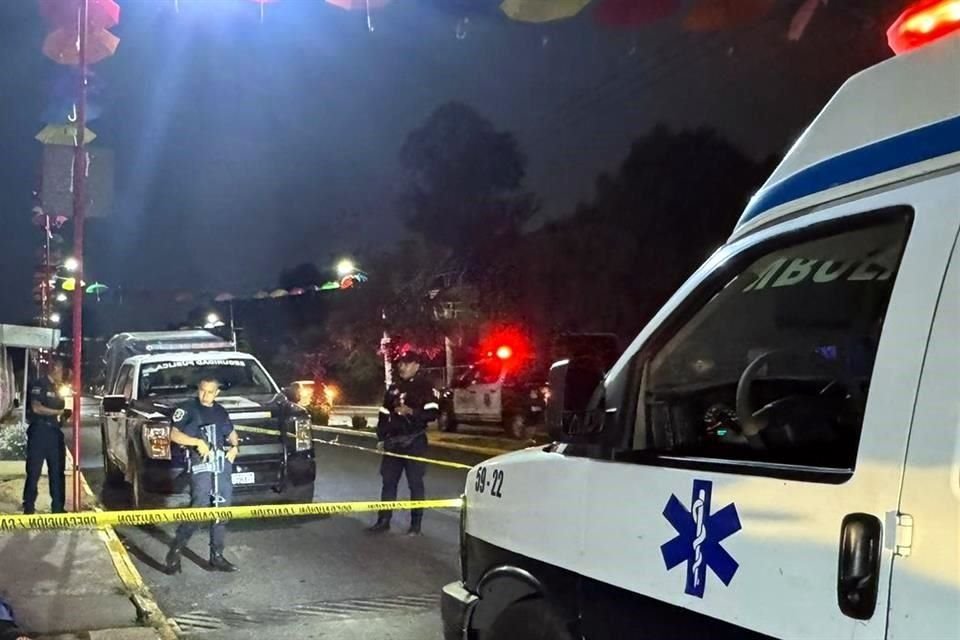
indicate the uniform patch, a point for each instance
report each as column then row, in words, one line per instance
column 178, row 415
column 699, row 534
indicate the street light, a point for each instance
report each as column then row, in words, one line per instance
column 71, row 264
column 55, row 318
column 345, row 268
column 213, row 321
column 61, row 297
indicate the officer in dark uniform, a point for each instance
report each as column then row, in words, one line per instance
column 45, row 440
column 409, row 405
column 189, row 420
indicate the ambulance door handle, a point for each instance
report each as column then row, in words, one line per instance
column 858, row 573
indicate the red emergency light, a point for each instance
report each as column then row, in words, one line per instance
column 922, row 23
column 507, row 343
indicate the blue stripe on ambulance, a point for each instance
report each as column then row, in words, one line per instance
column 925, row 143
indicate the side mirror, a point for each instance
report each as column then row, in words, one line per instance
column 573, row 386
column 113, row 404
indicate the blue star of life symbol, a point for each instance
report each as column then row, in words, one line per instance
column 699, row 534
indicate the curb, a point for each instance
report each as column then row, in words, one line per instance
column 143, row 601
column 466, row 448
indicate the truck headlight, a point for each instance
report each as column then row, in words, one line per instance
column 304, row 434
column 156, row 441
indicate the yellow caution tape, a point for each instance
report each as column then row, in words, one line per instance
column 334, row 443
column 441, row 463
column 96, row 519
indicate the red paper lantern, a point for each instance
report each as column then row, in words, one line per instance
column 61, row 46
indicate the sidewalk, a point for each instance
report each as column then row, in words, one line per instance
column 63, row 585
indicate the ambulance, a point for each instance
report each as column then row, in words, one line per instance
column 777, row 454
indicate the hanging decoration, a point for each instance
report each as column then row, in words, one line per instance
column 66, row 111
column 64, row 125
column 64, row 134
column 466, row 12
column 801, row 19
column 361, row 5
column 61, row 45
column 262, row 3
column 101, row 14
column 715, row 15
column 542, row 10
column 631, row 14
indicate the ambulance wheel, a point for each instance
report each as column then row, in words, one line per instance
column 532, row 619
column 113, row 476
column 447, row 421
column 515, row 426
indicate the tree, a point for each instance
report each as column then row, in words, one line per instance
column 465, row 180
column 615, row 261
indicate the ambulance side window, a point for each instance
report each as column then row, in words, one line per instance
column 772, row 369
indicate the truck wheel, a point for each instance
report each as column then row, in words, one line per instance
column 532, row 619
column 448, row 421
column 515, row 426
column 113, row 476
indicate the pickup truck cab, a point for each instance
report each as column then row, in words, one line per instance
column 777, row 454
column 276, row 460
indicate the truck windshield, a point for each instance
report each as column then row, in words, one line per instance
column 177, row 378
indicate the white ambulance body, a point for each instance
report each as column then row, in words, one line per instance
column 778, row 452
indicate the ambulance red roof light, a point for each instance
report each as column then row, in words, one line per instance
column 922, row 23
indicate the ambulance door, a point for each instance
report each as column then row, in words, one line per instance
column 925, row 590
column 772, row 410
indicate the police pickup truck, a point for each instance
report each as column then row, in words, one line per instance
column 496, row 391
column 276, row 460
column 777, row 454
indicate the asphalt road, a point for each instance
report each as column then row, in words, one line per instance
column 306, row 578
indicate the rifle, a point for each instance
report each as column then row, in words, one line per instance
column 215, row 463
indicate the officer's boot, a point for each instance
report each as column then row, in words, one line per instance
column 172, row 565
column 415, row 520
column 219, row 563
column 382, row 525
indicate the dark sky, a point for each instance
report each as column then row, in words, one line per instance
column 243, row 147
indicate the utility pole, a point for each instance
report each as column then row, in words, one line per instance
column 79, row 206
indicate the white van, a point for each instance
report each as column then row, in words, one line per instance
column 778, row 452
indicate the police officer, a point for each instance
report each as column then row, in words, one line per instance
column 189, row 419
column 45, row 440
column 408, row 406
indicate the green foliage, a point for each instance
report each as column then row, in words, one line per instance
column 13, row 441
column 319, row 414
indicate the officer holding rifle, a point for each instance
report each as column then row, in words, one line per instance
column 203, row 428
